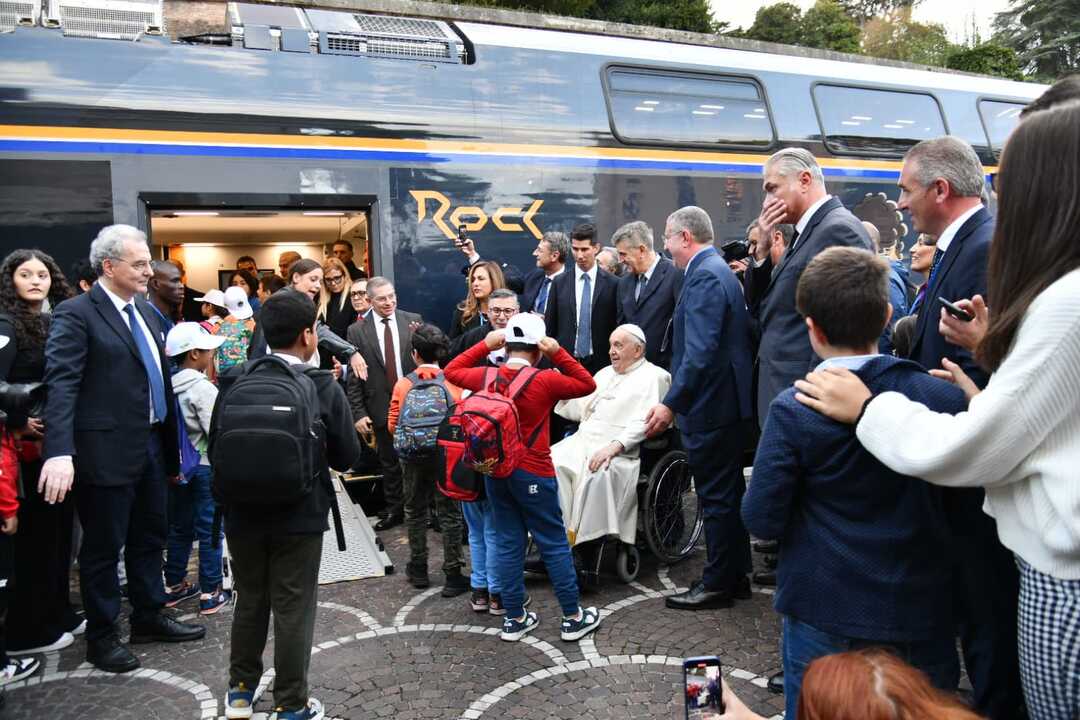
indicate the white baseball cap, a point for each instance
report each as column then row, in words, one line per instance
column 526, row 328
column 187, row 336
column 214, row 297
column 237, row 302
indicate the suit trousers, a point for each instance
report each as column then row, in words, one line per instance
column 131, row 517
column 393, row 492
column 715, row 459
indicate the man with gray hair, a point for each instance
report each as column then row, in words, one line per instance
column 795, row 193
column 112, row 429
column 940, row 186
column 711, row 371
column 647, row 295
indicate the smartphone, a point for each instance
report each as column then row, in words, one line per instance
column 956, row 311
column 702, row 691
column 462, row 236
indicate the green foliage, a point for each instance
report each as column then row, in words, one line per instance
column 897, row 37
column 862, row 11
column 572, row 8
column 690, row 15
column 1045, row 34
column 779, row 23
column 829, row 27
column 987, row 59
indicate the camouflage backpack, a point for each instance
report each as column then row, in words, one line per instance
column 423, row 410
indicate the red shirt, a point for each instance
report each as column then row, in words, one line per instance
column 535, row 403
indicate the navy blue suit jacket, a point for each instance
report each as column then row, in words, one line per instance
column 561, row 315
column 961, row 275
column 98, row 407
column 864, row 551
column 652, row 312
column 712, row 351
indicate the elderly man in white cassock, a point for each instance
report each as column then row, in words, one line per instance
column 598, row 465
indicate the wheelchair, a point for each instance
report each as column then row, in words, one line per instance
column 670, row 517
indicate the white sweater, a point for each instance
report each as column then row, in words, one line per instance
column 1020, row 437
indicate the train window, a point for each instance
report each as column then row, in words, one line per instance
column 657, row 107
column 861, row 121
column 999, row 119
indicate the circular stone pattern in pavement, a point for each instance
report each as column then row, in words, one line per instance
column 101, row 697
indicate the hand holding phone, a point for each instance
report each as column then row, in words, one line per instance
column 703, row 689
column 956, row 311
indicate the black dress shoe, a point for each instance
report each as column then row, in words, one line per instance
column 769, row 561
column 776, row 683
column 698, row 598
column 766, row 579
column 765, row 546
column 162, row 628
column 536, row 567
column 390, row 521
column 417, row 575
column 109, row 655
column 743, row 591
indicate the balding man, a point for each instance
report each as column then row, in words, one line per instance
column 647, row 294
column 794, row 193
column 598, row 466
column 284, row 262
column 711, row 371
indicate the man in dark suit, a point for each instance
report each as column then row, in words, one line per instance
column 647, row 294
column 343, row 251
column 190, row 308
column 795, row 193
column 582, row 309
column 711, row 368
column 112, row 428
column 384, row 339
column 940, row 186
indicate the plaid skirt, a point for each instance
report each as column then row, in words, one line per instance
column 1049, row 636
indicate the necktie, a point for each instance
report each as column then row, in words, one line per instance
column 389, row 354
column 934, row 265
column 583, row 345
column 641, row 281
column 153, row 370
column 542, row 296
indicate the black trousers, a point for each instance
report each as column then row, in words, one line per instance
column 393, row 492
column 131, row 517
column 715, row 459
column 40, row 605
column 7, row 563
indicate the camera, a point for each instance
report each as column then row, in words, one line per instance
column 462, row 236
column 735, row 250
column 22, row 399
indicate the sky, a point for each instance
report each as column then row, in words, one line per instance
column 955, row 15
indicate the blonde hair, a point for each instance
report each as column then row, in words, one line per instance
column 469, row 307
column 324, row 293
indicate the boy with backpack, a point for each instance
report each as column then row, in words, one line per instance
column 864, row 552
column 419, row 404
column 515, row 455
column 191, row 506
column 276, row 428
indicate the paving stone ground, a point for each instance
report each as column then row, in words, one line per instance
column 385, row 649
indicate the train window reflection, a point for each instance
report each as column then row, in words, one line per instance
column 999, row 119
column 658, row 107
column 860, row 121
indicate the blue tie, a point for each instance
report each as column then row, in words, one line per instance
column 541, row 298
column 153, row 370
column 583, row 345
column 934, row 265
column 640, row 286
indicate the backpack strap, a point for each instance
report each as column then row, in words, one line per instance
column 413, row 377
column 491, row 377
column 521, row 381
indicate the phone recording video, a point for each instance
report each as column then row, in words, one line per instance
column 702, row 693
column 462, row 236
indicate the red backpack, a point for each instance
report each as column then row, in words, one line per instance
column 487, row 427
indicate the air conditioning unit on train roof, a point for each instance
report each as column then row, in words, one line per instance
column 110, row 19
column 18, row 12
column 343, row 33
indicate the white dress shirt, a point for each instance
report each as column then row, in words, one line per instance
column 579, row 284
column 380, row 333
column 647, row 275
column 805, row 219
column 949, row 233
column 119, row 303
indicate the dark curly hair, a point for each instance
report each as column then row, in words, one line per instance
column 31, row 328
column 250, row 280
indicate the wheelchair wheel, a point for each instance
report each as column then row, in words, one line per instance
column 627, row 563
column 672, row 515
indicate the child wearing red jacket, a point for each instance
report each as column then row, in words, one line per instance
column 529, row 498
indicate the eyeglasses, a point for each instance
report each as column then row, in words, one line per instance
column 334, row 279
column 508, row 312
column 141, row 265
column 358, row 293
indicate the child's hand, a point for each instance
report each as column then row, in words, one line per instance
column 10, row 525
column 548, row 346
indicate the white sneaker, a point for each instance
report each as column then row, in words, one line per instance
column 80, row 628
column 60, row 643
column 18, row 668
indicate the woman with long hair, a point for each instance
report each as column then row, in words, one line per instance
column 484, row 277
column 334, row 307
column 1020, row 437
column 250, row 283
column 40, row 616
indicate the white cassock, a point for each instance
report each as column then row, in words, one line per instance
column 604, row 503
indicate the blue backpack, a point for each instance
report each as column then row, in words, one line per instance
column 189, row 456
column 423, row 410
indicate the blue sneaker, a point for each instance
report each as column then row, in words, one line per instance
column 210, row 603
column 576, row 629
column 312, row 711
column 513, row 630
column 238, row 702
column 176, row 594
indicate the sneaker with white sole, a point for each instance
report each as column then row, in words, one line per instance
column 572, row 629
column 496, row 607
column 210, row 603
column 18, row 669
column 312, row 711
column 513, row 630
column 239, row 702
column 178, row 593
column 65, row 640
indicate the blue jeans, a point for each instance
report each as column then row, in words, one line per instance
column 523, row 502
column 805, row 643
column 191, row 515
column 483, row 545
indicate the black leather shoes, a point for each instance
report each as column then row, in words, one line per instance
column 743, row 591
column 776, row 683
column 417, row 575
column 162, row 628
column 109, row 655
column 698, row 598
column 767, row 579
column 765, row 546
column 390, row 521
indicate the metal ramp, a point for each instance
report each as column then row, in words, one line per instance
column 364, row 556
